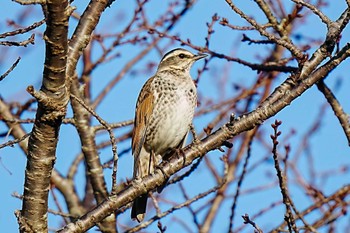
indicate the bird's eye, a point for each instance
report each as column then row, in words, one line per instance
column 181, row 55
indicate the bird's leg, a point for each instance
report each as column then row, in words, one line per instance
column 150, row 164
column 154, row 161
column 175, row 152
column 194, row 134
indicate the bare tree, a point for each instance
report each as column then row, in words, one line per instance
column 234, row 136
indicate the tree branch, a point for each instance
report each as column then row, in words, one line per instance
column 10, row 69
column 52, row 101
column 80, row 39
column 337, row 109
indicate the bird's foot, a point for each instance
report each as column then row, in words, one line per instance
column 166, row 177
column 179, row 152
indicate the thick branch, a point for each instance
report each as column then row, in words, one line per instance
column 44, row 137
column 82, row 34
column 65, row 186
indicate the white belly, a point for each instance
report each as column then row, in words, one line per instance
column 173, row 127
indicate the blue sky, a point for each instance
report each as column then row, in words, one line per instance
column 328, row 144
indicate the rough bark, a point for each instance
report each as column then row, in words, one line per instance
column 52, row 101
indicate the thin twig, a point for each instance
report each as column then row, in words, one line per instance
column 337, row 108
column 315, row 10
column 12, row 142
column 113, row 125
column 248, row 221
column 225, row 22
column 186, row 174
column 240, row 181
column 283, row 42
column 269, row 15
column 10, row 69
column 22, row 30
column 111, row 137
column 210, row 30
column 59, row 207
column 24, row 43
column 186, row 203
column 342, row 192
column 289, row 218
column 193, row 213
column 259, row 214
column 306, row 224
column 155, row 203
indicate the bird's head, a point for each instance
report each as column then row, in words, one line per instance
column 179, row 59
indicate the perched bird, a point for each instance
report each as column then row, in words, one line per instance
column 164, row 113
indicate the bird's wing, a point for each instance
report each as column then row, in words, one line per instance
column 144, row 109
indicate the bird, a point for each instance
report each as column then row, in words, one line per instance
column 164, row 112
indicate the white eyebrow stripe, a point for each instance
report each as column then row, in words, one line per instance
column 175, row 53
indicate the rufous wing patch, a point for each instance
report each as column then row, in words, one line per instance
column 143, row 113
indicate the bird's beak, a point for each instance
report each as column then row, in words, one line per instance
column 200, row 56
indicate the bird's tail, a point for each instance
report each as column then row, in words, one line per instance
column 138, row 210
column 143, row 166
